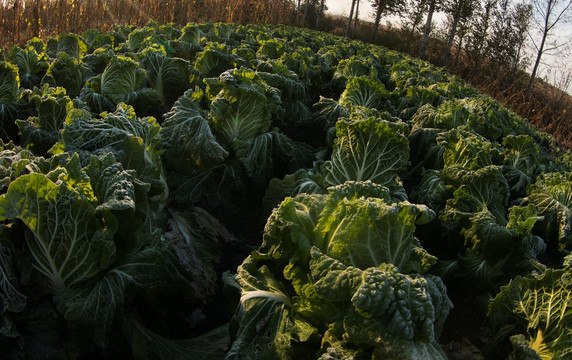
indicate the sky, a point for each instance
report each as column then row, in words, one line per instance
column 339, row 7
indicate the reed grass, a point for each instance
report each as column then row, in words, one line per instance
column 21, row 20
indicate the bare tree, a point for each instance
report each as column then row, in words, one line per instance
column 385, row 7
column 298, row 10
column 507, row 40
column 460, row 10
column 548, row 14
column 411, row 21
column 306, row 9
column 320, row 14
column 479, row 32
column 463, row 29
column 521, row 16
column 350, row 18
column 356, row 19
column 434, row 5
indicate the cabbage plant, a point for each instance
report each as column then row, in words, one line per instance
column 346, row 276
column 254, row 191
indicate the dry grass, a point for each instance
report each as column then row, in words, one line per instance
column 546, row 107
column 21, row 20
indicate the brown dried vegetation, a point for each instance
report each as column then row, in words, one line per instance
column 23, row 19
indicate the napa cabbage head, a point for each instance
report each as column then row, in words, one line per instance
column 523, row 161
column 187, row 138
column 9, row 90
column 241, row 106
column 330, row 263
column 12, row 104
column 122, row 81
column 189, row 42
column 69, row 242
column 367, row 149
column 133, row 140
column 462, row 148
column 168, row 76
column 32, row 65
column 68, row 72
column 214, row 59
column 70, row 44
column 40, row 133
column 362, row 226
column 353, row 67
column 271, row 49
column 364, row 91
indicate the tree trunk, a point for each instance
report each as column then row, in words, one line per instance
column 537, row 62
column 417, row 17
column 320, row 14
column 378, row 13
column 427, row 30
column 306, row 8
column 350, row 18
column 515, row 64
column 456, row 18
column 356, row 19
column 459, row 49
column 298, row 8
column 547, row 27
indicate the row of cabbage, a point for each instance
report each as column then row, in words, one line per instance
column 356, row 190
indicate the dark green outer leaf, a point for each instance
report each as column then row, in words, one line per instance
column 68, row 241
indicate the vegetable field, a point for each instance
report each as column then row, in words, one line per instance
column 224, row 191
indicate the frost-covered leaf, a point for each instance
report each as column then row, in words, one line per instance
column 364, row 91
column 552, row 195
column 42, row 132
column 367, row 149
column 242, row 107
column 168, row 76
column 265, row 324
column 538, row 306
column 365, row 232
column 187, row 137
